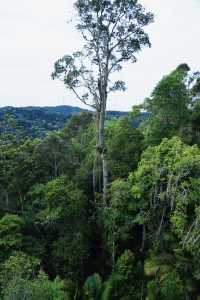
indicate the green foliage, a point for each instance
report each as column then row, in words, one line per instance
column 161, row 185
column 117, row 217
column 34, row 122
column 10, row 234
column 170, row 287
column 93, row 287
column 168, row 108
column 124, row 146
column 144, row 242
column 113, row 34
column 52, row 153
column 18, row 265
column 63, row 214
column 126, row 280
column 40, row 288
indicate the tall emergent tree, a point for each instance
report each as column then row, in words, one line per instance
column 113, row 34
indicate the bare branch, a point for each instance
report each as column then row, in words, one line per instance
column 81, row 99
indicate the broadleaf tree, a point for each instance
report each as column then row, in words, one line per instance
column 113, row 32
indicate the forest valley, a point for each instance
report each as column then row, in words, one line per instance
column 59, row 241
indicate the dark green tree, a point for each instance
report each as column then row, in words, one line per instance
column 125, row 282
column 118, row 218
column 10, row 235
column 168, row 108
column 63, row 216
column 124, row 146
column 53, row 155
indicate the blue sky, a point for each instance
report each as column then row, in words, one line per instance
column 34, row 33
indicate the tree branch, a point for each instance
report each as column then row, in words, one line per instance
column 81, row 99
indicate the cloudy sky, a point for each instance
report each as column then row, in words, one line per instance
column 34, row 33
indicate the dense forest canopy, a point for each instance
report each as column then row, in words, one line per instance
column 58, row 240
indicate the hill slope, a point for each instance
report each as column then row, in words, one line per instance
column 35, row 121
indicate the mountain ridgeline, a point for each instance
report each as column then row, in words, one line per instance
column 35, row 121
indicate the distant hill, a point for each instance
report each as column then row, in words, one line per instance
column 35, row 121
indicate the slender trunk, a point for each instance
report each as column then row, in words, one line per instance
column 160, row 225
column 143, row 238
column 101, row 131
column 95, row 158
column 142, row 290
column 76, row 294
column 94, row 178
column 113, row 254
column 101, row 146
column 100, row 119
column 186, row 238
column 102, row 151
column 98, row 158
column 105, row 178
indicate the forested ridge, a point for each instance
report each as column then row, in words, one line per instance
column 58, row 241
column 35, row 121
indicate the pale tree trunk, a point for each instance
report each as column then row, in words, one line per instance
column 96, row 171
column 143, row 238
column 100, row 160
column 94, row 178
column 101, row 143
column 105, row 178
column 113, row 255
column 142, row 290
